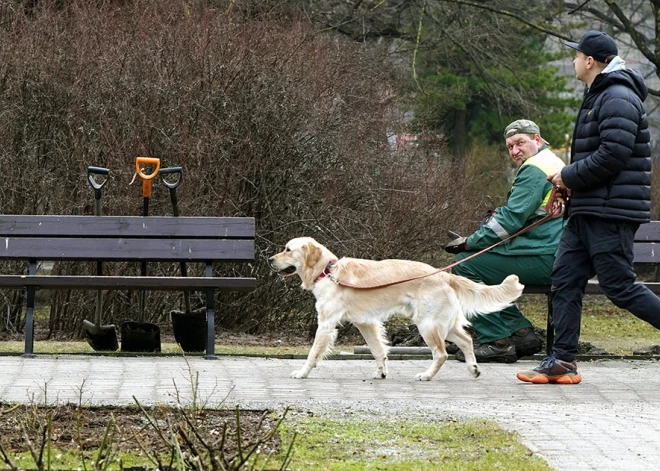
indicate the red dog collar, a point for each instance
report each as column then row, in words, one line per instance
column 326, row 270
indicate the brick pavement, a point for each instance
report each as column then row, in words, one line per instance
column 611, row 421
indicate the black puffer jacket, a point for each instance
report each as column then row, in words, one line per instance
column 610, row 169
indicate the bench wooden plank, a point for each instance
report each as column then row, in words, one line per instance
column 154, row 283
column 109, row 249
column 649, row 232
column 127, row 226
column 646, row 253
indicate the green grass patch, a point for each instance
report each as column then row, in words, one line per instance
column 70, row 459
column 57, row 347
column 375, row 443
column 603, row 324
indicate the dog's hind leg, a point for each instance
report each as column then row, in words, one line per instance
column 374, row 335
column 462, row 339
column 326, row 333
column 431, row 334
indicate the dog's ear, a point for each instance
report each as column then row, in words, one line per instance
column 313, row 255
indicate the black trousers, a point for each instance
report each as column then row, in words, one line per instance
column 594, row 246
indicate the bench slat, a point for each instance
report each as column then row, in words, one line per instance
column 127, row 226
column 156, row 283
column 649, row 232
column 646, row 253
column 188, row 250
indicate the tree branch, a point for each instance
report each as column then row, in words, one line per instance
column 510, row 14
column 639, row 39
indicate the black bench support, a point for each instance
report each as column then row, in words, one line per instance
column 29, row 314
column 210, row 316
column 550, row 327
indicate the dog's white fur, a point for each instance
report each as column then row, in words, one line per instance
column 440, row 305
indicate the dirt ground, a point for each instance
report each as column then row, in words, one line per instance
column 83, row 430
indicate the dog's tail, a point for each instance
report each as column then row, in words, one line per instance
column 479, row 299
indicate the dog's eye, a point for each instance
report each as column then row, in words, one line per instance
column 287, row 249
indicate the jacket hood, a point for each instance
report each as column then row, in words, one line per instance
column 617, row 73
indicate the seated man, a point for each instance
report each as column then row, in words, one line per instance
column 507, row 335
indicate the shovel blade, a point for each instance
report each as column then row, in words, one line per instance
column 102, row 338
column 190, row 330
column 140, row 337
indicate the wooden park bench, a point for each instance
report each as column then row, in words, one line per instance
column 207, row 240
column 645, row 254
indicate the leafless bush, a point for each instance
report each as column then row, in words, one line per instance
column 185, row 436
column 269, row 118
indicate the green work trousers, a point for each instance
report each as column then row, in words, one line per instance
column 491, row 269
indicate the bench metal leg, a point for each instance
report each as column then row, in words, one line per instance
column 550, row 328
column 29, row 315
column 210, row 318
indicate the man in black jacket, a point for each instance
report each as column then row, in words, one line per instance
column 609, row 183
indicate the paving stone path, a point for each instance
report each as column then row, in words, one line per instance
column 611, row 421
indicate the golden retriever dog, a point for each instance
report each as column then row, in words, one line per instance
column 440, row 304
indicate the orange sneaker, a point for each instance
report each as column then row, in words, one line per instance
column 552, row 370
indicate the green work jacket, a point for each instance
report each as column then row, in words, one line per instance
column 525, row 204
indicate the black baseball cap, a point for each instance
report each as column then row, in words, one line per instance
column 596, row 44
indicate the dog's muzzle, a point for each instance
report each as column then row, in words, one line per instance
column 290, row 270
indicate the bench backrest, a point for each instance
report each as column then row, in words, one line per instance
column 645, row 240
column 126, row 238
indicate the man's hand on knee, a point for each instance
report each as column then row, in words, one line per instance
column 457, row 245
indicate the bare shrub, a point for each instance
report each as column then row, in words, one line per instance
column 268, row 117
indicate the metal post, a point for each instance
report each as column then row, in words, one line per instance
column 210, row 316
column 550, row 328
column 29, row 316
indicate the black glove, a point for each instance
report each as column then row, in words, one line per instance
column 456, row 245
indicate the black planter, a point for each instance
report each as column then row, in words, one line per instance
column 190, row 330
column 140, row 337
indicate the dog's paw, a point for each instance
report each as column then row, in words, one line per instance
column 299, row 374
column 379, row 374
column 423, row 377
column 474, row 370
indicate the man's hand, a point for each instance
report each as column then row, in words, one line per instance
column 456, row 245
column 557, row 181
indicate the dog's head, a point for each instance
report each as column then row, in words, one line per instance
column 302, row 256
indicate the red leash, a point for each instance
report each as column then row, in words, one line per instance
column 554, row 209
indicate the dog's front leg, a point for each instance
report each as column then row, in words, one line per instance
column 374, row 335
column 326, row 333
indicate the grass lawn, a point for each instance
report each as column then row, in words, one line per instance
column 396, row 444
column 603, row 324
column 81, row 346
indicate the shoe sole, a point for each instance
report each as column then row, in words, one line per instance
column 543, row 379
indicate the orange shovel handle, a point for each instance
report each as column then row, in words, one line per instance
column 146, row 179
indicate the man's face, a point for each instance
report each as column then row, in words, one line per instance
column 580, row 62
column 522, row 147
